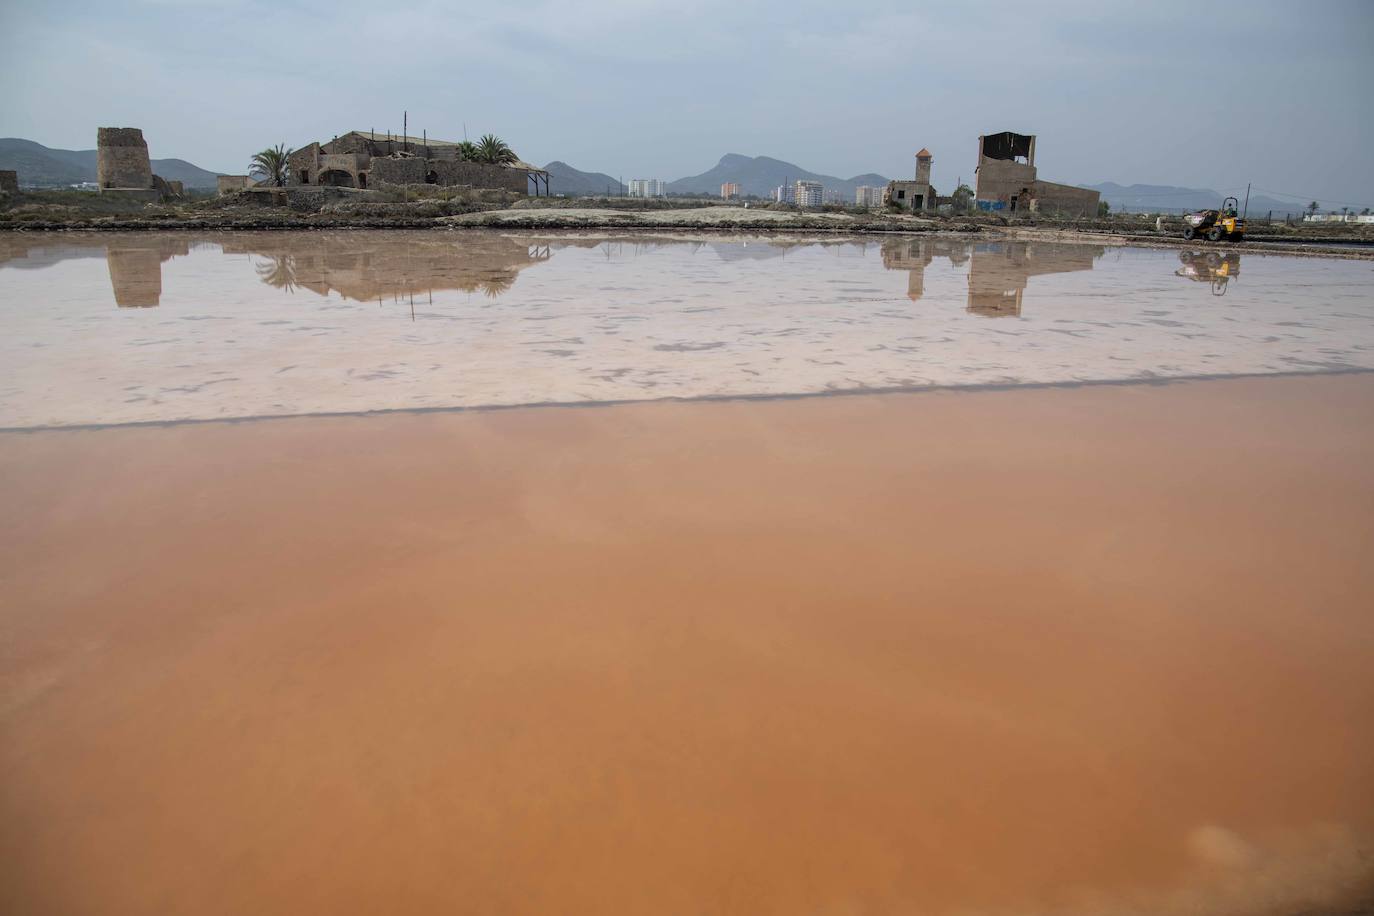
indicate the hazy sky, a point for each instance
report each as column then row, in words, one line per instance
column 1198, row 94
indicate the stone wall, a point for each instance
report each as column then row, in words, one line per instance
column 9, row 181
column 397, row 171
column 121, row 158
column 227, row 184
column 1066, row 199
column 480, row 175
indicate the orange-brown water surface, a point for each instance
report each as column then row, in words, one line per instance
column 1106, row 649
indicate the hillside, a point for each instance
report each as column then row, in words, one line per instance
column 759, row 175
column 40, row 166
column 564, row 179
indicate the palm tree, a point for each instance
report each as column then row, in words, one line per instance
column 494, row 150
column 272, row 164
column 1313, row 207
column 467, row 152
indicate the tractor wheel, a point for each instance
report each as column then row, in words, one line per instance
column 1189, row 233
column 1216, row 234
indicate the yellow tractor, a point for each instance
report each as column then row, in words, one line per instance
column 1216, row 225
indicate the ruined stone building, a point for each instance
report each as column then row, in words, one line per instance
column 917, row 195
column 361, row 159
column 9, row 181
column 1007, row 180
column 998, row 272
column 122, row 166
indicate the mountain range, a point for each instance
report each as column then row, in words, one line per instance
column 759, row 175
column 1138, row 198
column 40, row 166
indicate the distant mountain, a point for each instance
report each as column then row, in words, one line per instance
column 759, row 175
column 42, row 167
column 1151, row 197
column 564, row 179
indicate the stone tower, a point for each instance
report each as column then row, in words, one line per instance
column 121, row 159
column 923, row 160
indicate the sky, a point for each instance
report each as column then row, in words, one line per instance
column 1279, row 94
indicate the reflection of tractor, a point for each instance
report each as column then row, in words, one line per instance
column 1215, row 267
column 1215, row 224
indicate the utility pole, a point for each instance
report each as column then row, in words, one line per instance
column 405, row 128
column 1247, row 201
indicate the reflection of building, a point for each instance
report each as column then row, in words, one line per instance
column 134, row 259
column 362, row 268
column 915, row 195
column 915, row 255
column 998, row 271
column 353, row 265
column 1215, row 267
column 1007, row 180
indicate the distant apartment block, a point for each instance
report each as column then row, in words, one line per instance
column 832, row 197
column 729, row 190
column 785, row 194
column 866, row 196
column 646, row 187
column 809, row 193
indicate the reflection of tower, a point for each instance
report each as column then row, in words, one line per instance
column 136, row 275
column 999, row 271
column 915, row 255
column 136, row 269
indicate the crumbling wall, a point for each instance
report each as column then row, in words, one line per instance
column 1000, row 180
column 304, row 165
column 480, row 175
column 121, row 158
column 228, row 184
column 397, row 170
column 1064, row 199
column 9, row 181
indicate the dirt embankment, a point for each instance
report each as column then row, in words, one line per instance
column 465, row 208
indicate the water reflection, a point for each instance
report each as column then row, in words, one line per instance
column 353, row 265
column 1215, row 267
column 357, row 268
column 134, row 261
column 998, row 271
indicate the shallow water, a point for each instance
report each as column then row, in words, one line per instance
column 1096, row 651
column 122, row 327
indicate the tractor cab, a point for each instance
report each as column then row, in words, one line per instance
column 1217, row 225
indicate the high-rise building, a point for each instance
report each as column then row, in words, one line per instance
column 868, row 197
column 646, row 187
column 785, row 194
column 729, row 190
column 810, row 193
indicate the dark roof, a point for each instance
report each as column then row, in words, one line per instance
column 1007, row 145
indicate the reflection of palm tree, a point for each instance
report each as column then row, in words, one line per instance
column 278, row 270
column 495, row 285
